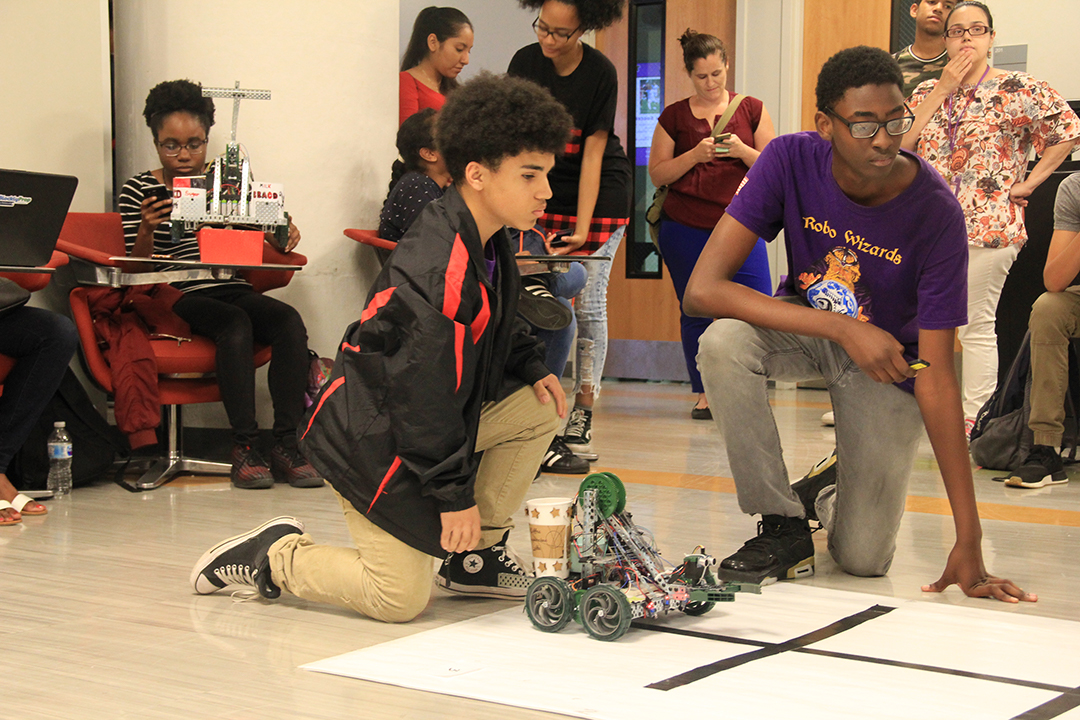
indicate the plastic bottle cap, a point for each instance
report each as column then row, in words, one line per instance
column 58, row 424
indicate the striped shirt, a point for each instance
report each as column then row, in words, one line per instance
column 130, row 205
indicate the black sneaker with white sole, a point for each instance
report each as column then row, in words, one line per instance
column 560, row 461
column 539, row 307
column 243, row 559
column 821, row 476
column 578, row 433
column 1040, row 468
column 782, row 550
column 494, row 572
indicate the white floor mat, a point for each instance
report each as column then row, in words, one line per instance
column 792, row 651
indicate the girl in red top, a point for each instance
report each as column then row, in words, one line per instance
column 438, row 50
column 703, row 174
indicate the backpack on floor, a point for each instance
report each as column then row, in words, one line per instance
column 94, row 443
column 1001, row 437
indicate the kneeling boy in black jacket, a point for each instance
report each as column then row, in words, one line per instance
column 440, row 408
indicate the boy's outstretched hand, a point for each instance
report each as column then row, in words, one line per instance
column 972, row 577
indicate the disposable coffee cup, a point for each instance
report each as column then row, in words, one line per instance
column 549, row 530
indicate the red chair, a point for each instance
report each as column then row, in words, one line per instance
column 370, row 237
column 185, row 369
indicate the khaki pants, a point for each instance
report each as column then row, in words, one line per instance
column 1055, row 320
column 385, row 579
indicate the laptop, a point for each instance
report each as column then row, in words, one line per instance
column 33, row 207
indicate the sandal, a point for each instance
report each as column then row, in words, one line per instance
column 5, row 520
column 21, row 502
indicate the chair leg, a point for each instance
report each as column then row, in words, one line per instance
column 174, row 463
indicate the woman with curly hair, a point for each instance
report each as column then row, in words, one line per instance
column 976, row 126
column 703, row 173
column 229, row 312
column 438, row 50
column 590, row 182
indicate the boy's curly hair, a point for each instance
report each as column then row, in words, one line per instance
column 853, row 68
column 493, row 117
column 593, row 14
column 177, row 96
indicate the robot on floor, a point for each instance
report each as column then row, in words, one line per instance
column 227, row 196
column 616, row 572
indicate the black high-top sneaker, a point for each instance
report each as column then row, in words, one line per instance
column 243, row 560
column 821, row 476
column 782, row 550
column 494, row 572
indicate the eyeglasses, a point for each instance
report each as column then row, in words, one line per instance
column 863, row 129
column 172, row 149
column 974, row 31
column 543, row 31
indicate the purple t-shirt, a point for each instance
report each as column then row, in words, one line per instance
column 901, row 266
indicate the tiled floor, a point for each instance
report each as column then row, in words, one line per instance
column 98, row 619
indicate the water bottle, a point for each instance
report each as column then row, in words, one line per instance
column 59, row 461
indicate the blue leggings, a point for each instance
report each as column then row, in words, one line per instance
column 680, row 246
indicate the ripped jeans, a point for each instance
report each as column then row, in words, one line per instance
column 591, row 312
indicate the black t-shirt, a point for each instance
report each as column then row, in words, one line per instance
column 589, row 94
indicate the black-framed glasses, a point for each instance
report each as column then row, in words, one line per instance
column 974, row 31
column 171, row 148
column 543, row 31
column 863, row 129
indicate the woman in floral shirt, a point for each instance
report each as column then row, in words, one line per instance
column 976, row 126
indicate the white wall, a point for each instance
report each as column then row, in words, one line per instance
column 1050, row 29
column 327, row 133
column 500, row 28
column 55, row 115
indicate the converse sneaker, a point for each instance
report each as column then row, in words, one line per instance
column 561, row 461
column 495, row 572
column 249, row 470
column 1041, row 467
column 243, row 560
column 782, row 550
column 578, row 433
column 821, row 476
column 288, row 465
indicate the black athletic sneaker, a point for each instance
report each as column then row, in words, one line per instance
column 542, row 309
column 242, row 560
column 249, row 470
column 495, row 572
column 288, row 465
column 782, row 550
column 821, row 476
column 561, row 461
column 1041, row 467
column 578, row 433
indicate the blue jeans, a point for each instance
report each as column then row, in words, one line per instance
column 878, row 428
column 680, row 247
column 591, row 311
column 558, row 342
column 42, row 343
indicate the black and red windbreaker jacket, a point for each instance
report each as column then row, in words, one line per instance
column 394, row 428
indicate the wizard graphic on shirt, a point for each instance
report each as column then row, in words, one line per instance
column 832, row 283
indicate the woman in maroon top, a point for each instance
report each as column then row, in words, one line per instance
column 442, row 38
column 703, row 174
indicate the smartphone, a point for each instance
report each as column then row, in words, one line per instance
column 719, row 139
column 560, row 239
column 918, row 364
column 160, row 193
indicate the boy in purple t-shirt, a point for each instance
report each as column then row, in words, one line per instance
column 876, row 249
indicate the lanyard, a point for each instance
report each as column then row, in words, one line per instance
column 953, row 124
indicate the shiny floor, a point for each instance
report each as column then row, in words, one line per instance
column 98, row 620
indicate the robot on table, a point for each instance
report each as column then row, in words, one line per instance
column 227, row 196
column 616, row 573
